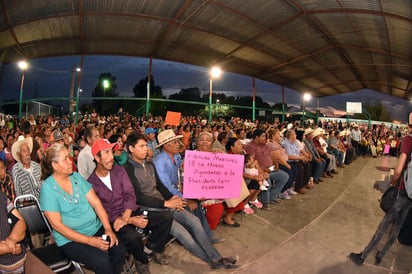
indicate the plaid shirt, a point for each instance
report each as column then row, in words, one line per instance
column 7, row 187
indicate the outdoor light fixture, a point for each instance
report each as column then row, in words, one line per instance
column 215, row 72
column 305, row 98
column 23, row 65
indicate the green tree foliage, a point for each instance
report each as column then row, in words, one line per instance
column 377, row 111
column 105, row 106
column 140, row 91
column 192, row 94
column 10, row 108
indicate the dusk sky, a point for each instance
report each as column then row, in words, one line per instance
column 53, row 76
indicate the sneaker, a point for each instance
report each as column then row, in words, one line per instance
column 142, row 268
column 266, row 206
column 275, row 201
column 217, row 240
column 256, row 203
column 285, row 196
column 356, row 258
column 160, row 258
column 248, row 210
column 292, row 192
column 222, row 263
column 231, row 259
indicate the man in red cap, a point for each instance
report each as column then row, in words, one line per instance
column 112, row 184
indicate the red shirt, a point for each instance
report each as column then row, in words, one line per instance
column 262, row 153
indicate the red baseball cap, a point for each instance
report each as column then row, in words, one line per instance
column 103, row 144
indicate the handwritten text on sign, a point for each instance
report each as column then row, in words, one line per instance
column 212, row 175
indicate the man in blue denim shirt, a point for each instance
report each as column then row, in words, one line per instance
column 167, row 165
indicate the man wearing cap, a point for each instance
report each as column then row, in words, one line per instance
column 26, row 173
column 168, row 165
column 85, row 160
column 150, row 134
column 318, row 164
column 113, row 186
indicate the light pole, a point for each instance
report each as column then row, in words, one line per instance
column 216, row 107
column 23, row 65
column 105, row 86
column 74, row 70
column 306, row 97
column 214, row 73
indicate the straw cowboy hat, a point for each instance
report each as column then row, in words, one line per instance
column 15, row 149
column 166, row 136
column 317, row 132
column 308, row 131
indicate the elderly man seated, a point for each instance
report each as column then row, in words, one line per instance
column 296, row 158
column 26, row 173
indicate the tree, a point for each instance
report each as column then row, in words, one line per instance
column 377, row 111
column 140, row 91
column 106, row 87
column 186, row 94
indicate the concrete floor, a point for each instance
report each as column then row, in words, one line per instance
column 311, row 233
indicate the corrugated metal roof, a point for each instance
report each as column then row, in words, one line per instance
column 323, row 46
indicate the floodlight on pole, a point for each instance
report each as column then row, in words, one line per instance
column 105, row 85
column 305, row 98
column 77, row 98
column 214, row 73
column 23, row 65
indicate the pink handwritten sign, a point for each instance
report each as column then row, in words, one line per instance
column 212, row 175
column 386, row 149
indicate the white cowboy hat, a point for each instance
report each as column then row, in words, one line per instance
column 317, row 132
column 15, row 149
column 166, row 136
column 308, row 131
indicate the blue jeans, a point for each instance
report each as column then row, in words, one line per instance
column 199, row 212
column 397, row 213
column 277, row 180
column 187, row 228
column 317, row 169
column 292, row 172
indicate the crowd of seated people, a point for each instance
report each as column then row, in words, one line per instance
column 141, row 161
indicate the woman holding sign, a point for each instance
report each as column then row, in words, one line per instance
column 214, row 212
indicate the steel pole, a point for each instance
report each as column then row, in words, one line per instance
column 21, row 96
column 210, row 99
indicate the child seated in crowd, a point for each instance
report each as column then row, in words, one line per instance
column 251, row 165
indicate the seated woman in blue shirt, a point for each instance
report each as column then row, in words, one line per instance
column 77, row 215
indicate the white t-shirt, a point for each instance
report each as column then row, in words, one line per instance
column 106, row 181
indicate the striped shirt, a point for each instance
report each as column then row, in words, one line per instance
column 27, row 181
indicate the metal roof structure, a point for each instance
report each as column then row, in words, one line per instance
column 326, row 47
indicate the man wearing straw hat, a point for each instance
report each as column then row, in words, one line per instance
column 26, row 173
column 318, row 164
